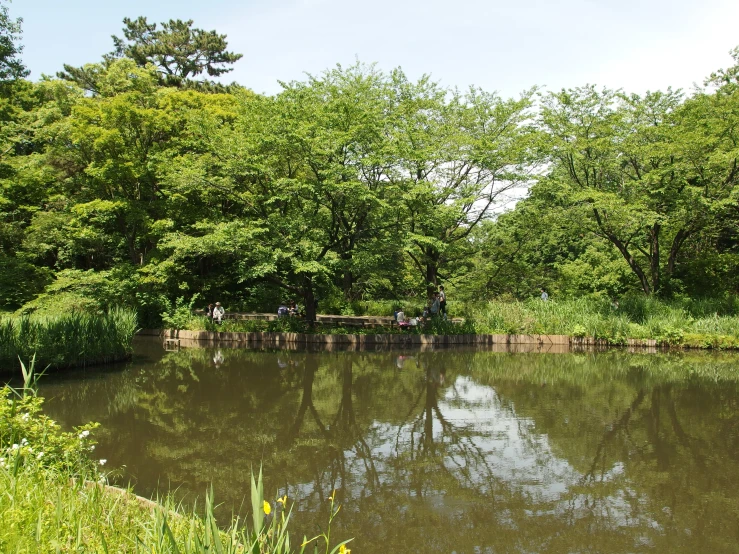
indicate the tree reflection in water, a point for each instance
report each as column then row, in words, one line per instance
column 462, row 451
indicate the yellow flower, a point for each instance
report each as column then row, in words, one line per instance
column 282, row 500
column 344, row 550
column 267, row 507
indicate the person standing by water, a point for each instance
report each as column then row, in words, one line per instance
column 218, row 313
column 442, row 301
column 209, row 312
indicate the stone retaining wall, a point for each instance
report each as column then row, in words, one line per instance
column 563, row 342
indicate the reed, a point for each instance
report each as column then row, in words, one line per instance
column 66, row 340
column 713, row 322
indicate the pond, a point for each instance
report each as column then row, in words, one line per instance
column 464, row 451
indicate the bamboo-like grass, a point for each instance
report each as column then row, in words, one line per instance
column 66, row 340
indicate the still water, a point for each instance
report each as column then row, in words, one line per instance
column 463, row 451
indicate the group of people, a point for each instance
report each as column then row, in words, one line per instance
column 287, row 311
column 215, row 313
column 436, row 307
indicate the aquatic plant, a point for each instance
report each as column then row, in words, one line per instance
column 73, row 339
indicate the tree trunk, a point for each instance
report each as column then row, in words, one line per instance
column 677, row 243
column 432, row 278
column 348, row 283
column 638, row 271
column 654, row 261
column 309, row 299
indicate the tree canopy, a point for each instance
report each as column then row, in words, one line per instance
column 179, row 53
column 354, row 184
column 11, row 66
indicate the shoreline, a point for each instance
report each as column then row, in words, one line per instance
column 512, row 342
column 95, row 362
column 558, row 342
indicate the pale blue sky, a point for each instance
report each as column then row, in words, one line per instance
column 499, row 45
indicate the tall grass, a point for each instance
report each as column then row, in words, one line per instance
column 74, row 339
column 48, row 512
column 54, row 499
column 633, row 317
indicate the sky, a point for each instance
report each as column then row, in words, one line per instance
column 503, row 46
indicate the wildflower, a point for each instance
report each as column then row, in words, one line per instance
column 24, row 442
column 267, row 508
column 282, row 500
column 2, row 463
column 84, row 434
column 25, row 416
column 92, row 447
column 344, row 550
column 103, row 462
column 15, row 447
column 39, row 455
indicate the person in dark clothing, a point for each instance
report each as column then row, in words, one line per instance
column 442, row 301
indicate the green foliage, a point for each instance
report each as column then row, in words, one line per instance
column 29, row 439
column 20, row 281
column 638, row 317
column 176, row 51
column 59, row 497
column 11, row 67
column 180, row 315
column 356, row 189
column 64, row 340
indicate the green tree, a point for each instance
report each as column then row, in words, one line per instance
column 305, row 179
column 11, row 66
column 179, row 53
column 460, row 156
column 645, row 173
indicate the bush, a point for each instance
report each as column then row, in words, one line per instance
column 27, row 436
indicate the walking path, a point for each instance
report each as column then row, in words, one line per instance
column 337, row 320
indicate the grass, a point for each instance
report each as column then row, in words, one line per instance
column 688, row 323
column 74, row 339
column 54, row 499
column 46, row 512
column 683, row 322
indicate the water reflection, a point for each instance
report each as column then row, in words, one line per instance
column 462, row 451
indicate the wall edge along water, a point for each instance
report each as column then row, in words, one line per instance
column 276, row 338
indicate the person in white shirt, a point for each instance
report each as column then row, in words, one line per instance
column 218, row 313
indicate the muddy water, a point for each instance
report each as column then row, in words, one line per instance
column 461, row 451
